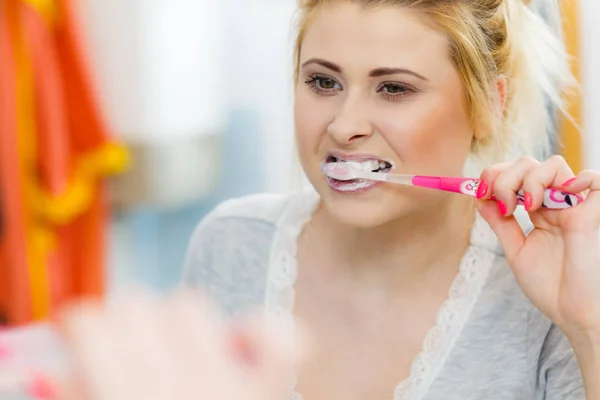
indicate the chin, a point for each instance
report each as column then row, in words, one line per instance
column 367, row 209
column 359, row 217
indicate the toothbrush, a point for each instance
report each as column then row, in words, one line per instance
column 553, row 198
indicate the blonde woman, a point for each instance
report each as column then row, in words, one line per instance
column 412, row 293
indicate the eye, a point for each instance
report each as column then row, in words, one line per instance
column 326, row 83
column 323, row 84
column 393, row 90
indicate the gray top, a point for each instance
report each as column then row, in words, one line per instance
column 489, row 342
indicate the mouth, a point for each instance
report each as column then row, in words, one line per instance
column 363, row 162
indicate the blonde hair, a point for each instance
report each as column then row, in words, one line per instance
column 488, row 39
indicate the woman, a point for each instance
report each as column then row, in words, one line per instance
column 413, row 293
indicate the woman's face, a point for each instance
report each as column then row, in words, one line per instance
column 379, row 85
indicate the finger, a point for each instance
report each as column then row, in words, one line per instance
column 153, row 369
column 585, row 180
column 94, row 347
column 278, row 351
column 44, row 387
column 199, row 336
column 553, row 172
column 487, row 179
column 507, row 229
column 587, row 214
column 68, row 389
column 508, row 183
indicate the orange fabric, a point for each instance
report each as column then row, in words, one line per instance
column 15, row 301
column 88, row 261
column 55, row 149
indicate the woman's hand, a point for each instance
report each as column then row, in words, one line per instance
column 558, row 264
column 179, row 348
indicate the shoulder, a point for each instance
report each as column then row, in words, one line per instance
column 263, row 207
column 245, row 220
column 263, row 211
column 229, row 252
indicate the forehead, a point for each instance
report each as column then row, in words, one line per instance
column 390, row 36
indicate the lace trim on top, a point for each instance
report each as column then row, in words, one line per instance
column 451, row 318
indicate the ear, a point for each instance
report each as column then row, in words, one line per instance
column 501, row 85
column 502, row 90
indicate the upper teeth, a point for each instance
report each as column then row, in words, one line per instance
column 369, row 165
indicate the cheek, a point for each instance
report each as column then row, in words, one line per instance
column 310, row 119
column 429, row 137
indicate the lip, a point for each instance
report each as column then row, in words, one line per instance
column 356, row 156
column 342, row 188
column 354, row 187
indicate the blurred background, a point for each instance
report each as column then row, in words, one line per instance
column 122, row 123
column 201, row 93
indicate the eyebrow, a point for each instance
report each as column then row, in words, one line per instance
column 392, row 71
column 324, row 63
column 377, row 72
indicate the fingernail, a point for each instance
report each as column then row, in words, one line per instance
column 502, row 208
column 527, row 201
column 570, row 181
column 482, row 190
column 42, row 388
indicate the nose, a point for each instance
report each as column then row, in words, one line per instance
column 350, row 123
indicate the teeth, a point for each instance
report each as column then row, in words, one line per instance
column 373, row 165
column 369, row 165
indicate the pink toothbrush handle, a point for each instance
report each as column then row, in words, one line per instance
column 555, row 199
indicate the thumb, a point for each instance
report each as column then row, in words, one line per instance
column 507, row 229
column 275, row 352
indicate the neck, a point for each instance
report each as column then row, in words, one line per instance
column 414, row 244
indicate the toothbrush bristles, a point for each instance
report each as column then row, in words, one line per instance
column 339, row 172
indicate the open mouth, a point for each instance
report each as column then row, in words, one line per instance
column 372, row 165
column 358, row 185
